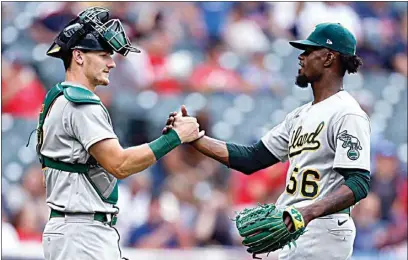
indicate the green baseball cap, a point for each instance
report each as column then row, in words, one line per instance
column 331, row 36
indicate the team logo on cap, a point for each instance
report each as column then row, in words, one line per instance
column 352, row 143
column 70, row 30
column 329, row 41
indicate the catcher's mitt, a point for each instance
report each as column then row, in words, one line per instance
column 264, row 230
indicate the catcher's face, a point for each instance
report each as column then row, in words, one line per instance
column 311, row 63
column 97, row 65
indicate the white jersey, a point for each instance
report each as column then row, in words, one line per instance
column 69, row 131
column 334, row 133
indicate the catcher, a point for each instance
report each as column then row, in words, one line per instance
column 327, row 142
column 81, row 156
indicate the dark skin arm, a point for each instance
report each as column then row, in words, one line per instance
column 213, row 148
column 336, row 201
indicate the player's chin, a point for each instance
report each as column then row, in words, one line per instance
column 104, row 81
column 302, row 81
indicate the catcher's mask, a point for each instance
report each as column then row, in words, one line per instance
column 92, row 30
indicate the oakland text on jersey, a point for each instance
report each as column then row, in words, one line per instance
column 304, row 142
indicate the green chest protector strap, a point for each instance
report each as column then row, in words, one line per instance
column 75, row 95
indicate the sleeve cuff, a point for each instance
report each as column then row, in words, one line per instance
column 98, row 139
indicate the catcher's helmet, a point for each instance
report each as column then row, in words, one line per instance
column 92, row 30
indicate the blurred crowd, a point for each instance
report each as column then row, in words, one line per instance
column 186, row 199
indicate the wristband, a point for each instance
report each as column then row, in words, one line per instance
column 164, row 144
column 296, row 217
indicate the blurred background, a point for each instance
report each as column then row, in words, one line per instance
column 231, row 65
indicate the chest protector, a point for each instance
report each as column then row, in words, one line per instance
column 104, row 183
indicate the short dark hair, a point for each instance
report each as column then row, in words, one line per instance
column 67, row 59
column 350, row 63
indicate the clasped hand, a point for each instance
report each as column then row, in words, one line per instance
column 186, row 127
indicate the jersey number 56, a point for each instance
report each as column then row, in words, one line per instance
column 309, row 186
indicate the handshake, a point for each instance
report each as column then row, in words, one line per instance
column 184, row 125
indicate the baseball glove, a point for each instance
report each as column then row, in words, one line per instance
column 264, row 230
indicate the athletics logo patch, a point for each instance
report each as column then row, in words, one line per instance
column 352, row 143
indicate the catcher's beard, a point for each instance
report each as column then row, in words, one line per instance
column 101, row 81
column 302, row 81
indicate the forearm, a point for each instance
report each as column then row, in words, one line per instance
column 213, row 148
column 354, row 189
column 124, row 162
column 244, row 158
column 135, row 159
column 336, row 201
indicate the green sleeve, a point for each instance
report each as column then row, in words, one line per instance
column 249, row 159
column 358, row 180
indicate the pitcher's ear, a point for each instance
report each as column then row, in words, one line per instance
column 330, row 58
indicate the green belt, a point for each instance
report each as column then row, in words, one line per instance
column 68, row 167
column 98, row 216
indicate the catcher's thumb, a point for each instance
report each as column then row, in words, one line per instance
column 184, row 110
column 201, row 134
